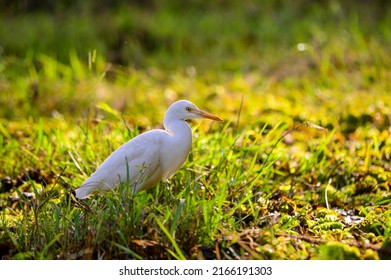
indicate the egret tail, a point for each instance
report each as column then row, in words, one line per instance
column 83, row 192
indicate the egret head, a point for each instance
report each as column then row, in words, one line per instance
column 185, row 110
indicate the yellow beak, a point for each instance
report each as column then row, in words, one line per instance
column 204, row 114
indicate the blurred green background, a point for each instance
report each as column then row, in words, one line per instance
column 55, row 52
column 172, row 33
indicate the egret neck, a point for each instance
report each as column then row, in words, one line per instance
column 179, row 143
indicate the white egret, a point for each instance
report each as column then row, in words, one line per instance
column 151, row 156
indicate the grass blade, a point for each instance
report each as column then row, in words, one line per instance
column 179, row 255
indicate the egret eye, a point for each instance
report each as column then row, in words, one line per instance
column 188, row 109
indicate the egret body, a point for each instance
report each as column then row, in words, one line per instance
column 151, row 156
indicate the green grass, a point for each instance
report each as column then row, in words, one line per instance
column 299, row 169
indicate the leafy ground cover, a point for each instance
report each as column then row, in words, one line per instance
column 300, row 168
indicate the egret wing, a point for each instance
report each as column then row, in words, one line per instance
column 136, row 163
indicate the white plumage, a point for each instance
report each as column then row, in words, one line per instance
column 150, row 157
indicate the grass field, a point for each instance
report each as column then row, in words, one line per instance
column 299, row 169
